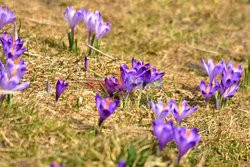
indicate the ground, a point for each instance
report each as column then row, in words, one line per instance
column 173, row 36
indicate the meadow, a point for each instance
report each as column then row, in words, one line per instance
column 173, row 36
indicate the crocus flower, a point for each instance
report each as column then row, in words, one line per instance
column 151, row 76
column 111, row 85
column 102, row 29
column 122, row 163
column 182, row 111
column 209, row 90
column 11, row 76
column 129, row 78
column 91, row 19
column 185, row 139
column 6, row 16
column 231, row 74
column 147, row 75
column 12, row 48
column 160, row 110
column 61, row 85
column 163, row 132
column 230, row 91
column 235, row 70
column 86, row 63
column 73, row 17
column 55, row 165
column 211, row 69
column 105, row 107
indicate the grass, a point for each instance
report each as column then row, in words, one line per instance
column 173, row 36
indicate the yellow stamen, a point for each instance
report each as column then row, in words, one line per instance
column 16, row 61
column 14, row 73
column 188, row 132
column 207, row 90
column 108, row 102
column 12, row 49
column 180, row 107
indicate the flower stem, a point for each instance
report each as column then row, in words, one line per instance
column 9, row 99
column 139, row 98
column 91, row 44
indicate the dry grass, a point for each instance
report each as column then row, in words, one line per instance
column 173, row 36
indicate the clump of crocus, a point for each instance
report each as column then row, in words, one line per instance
column 61, row 85
column 122, row 163
column 182, row 111
column 161, row 111
column 12, row 48
column 11, row 76
column 72, row 17
column 96, row 28
column 130, row 78
column 95, row 24
column 6, row 16
column 105, row 107
column 224, row 81
column 185, row 139
column 166, row 132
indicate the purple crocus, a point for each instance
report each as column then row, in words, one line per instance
column 138, row 74
column 122, row 163
column 86, row 63
column 12, row 48
column 230, row 91
column 91, row 19
column 105, row 107
column 163, row 132
column 161, row 111
column 235, row 70
column 73, row 17
column 11, row 76
column 185, row 139
column 213, row 70
column 146, row 74
column 61, row 85
column 6, row 16
column 209, row 90
column 111, row 84
column 129, row 78
column 182, row 111
column 102, row 29
column 230, row 80
column 151, row 76
column 231, row 74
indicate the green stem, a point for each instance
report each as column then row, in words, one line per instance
column 91, row 44
column 126, row 100
column 9, row 99
column 139, row 98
